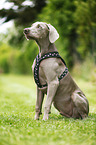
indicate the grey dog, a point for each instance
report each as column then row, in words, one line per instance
column 52, row 76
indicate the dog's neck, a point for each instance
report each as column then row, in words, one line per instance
column 45, row 46
column 50, row 48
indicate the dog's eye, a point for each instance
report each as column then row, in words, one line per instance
column 38, row 26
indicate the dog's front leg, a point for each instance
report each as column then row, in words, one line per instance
column 39, row 101
column 52, row 88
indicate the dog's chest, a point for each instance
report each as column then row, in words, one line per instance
column 42, row 77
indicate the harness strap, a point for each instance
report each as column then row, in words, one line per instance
column 36, row 68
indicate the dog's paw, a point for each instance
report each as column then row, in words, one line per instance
column 36, row 117
column 45, row 117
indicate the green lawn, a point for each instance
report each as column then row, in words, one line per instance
column 17, row 110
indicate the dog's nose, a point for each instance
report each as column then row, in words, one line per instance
column 26, row 30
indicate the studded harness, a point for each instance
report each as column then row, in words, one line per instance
column 38, row 61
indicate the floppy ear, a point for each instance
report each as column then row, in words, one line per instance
column 53, row 34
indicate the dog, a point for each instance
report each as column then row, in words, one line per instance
column 53, row 78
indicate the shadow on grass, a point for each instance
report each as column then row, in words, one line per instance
column 91, row 116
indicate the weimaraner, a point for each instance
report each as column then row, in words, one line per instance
column 52, row 76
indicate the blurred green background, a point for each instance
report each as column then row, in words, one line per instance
column 75, row 20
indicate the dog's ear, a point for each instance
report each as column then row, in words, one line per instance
column 53, row 34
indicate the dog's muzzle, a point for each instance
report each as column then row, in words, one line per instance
column 26, row 30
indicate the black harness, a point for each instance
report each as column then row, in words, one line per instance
column 36, row 68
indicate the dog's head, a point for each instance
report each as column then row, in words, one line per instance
column 41, row 30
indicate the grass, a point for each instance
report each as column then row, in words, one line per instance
column 17, row 110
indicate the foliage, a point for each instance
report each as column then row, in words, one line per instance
column 21, row 12
column 85, row 18
column 15, row 60
column 85, row 70
column 5, row 51
column 17, row 110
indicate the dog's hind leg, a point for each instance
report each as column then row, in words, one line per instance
column 81, row 104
